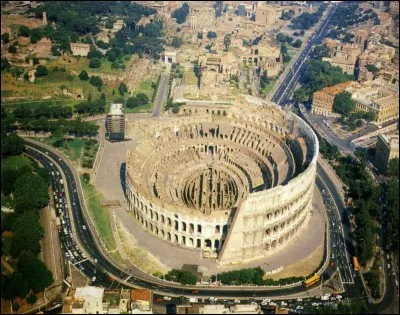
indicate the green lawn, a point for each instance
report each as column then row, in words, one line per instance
column 34, row 104
column 144, row 87
column 147, row 108
column 74, row 149
column 99, row 214
column 269, row 87
column 189, row 77
column 117, row 256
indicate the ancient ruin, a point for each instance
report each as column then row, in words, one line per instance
column 234, row 181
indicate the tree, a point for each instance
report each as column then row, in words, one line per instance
column 24, row 31
column 103, row 97
column 297, row 43
column 35, row 60
column 5, row 65
column 122, row 89
column 83, row 75
column 176, row 42
column 200, row 35
column 12, row 145
column 9, row 176
column 372, row 68
column 94, row 53
column 13, row 48
column 28, row 233
column 95, row 63
column 31, row 193
column 142, row 98
column 41, row 71
column 132, row 102
column 227, row 41
column 36, row 35
column 211, row 35
column 86, row 176
column 96, row 81
column 181, row 13
column 343, row 104
column 393, row 168
column 37, row 275
column 31, row 299
column 5, row 38
column 55, row 51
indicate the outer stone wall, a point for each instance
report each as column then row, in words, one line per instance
column 241, row 152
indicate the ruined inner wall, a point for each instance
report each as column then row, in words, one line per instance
column 222, row 178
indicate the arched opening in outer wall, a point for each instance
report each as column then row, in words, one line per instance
column 198, row 243
column 169, row 236
column 216, row 244
column 207, row 243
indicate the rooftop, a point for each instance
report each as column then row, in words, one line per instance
column 116, row 109
column 338, row 88
column 89, row 292
column 141, row 295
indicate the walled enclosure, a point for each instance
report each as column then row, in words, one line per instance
column 234, row 181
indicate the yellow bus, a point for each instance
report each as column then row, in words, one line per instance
column 355, row 263
column 311, row 281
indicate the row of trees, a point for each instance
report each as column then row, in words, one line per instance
column 349, row 15
column 282, row 38
column 251, row 276
column 25, row 185
column 366, row 204
column 306, row 20
column 181, row 276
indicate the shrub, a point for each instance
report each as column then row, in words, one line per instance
column 95, row 63
column 41, row 71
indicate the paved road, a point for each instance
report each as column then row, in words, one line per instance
column 161, row 94
column 284, row 91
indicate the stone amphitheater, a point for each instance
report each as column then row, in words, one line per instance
column 232, row 181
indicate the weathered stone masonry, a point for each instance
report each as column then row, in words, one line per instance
column 235, row 180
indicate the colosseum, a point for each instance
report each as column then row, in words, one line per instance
column 233, row 181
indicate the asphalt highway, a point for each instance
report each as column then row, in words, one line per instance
column 283, row 92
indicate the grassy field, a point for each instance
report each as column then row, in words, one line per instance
column 78, row 64
column 189, row 77
column 74, row 149
column 117, row 256
column 99, row 214
column 144, row 87
column 269, row 87
column 33, row 94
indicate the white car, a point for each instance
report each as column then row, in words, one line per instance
column 236, row 301
column 93, row 279
column 167, row 298
column 299, row 300
column 84, row 227
column 272, row 303
column 299, row 307
column 265, row 301
column 283, row 303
